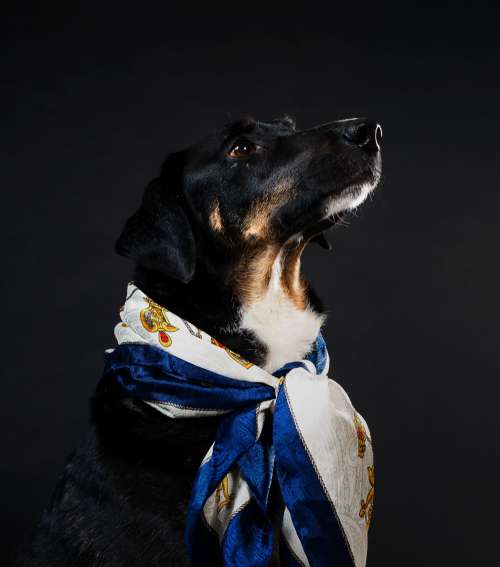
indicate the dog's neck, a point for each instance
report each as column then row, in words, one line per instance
column 276, row 304
column 261, row 308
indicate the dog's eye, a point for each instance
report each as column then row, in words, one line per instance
column 242, row 149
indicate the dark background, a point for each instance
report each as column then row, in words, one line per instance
column 93, row 98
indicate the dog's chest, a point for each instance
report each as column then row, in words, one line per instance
column 286, row 331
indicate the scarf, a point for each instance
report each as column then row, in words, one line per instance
column 295, row 426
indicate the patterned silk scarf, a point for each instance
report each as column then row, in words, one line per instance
column 295, row 425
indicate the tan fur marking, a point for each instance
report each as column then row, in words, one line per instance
column 291, row 278
column 216, row 219
column 256, row 224
column 252, row 276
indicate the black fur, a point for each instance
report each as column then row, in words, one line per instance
column 123, row 495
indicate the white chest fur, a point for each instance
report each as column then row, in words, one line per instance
column 287, row 331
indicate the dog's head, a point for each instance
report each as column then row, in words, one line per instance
column 249, row 185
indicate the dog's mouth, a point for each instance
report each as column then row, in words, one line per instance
column 337, row 206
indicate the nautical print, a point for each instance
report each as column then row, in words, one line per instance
column 234, row 355
column 366, row 509
column 155, row 320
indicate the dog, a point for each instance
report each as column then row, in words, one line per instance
column 217, row 239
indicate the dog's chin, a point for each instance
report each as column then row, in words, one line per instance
column 349, row 199
column 337, row 206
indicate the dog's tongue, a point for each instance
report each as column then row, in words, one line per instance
column 322, row 240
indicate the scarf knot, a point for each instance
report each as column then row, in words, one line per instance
column 295, row 427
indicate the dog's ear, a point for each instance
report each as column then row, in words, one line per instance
column 159, row 235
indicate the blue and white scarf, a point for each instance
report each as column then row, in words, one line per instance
column 295, row 425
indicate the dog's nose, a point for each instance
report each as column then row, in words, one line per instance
column 363, row 133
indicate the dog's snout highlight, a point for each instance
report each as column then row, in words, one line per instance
column 378, row 136
column 365, row 134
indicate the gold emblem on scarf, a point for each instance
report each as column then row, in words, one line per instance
column 234, row 355
column 154, row 319
column 222, row 494
column 361, row 434
column 192, row 329
column 366, row 509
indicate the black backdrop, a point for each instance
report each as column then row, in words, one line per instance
column 92, row 100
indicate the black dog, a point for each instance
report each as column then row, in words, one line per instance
column 217, row 240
